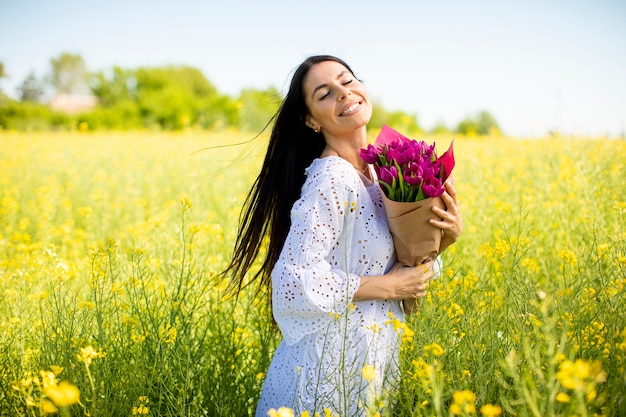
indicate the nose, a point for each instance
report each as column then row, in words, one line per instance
column 344, row 92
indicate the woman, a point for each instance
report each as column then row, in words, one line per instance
column 336, row 288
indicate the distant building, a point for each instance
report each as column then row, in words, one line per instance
column 73, row 103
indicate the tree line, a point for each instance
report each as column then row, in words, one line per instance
column 166, row 98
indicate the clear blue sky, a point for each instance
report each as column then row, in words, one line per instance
column 535, row 65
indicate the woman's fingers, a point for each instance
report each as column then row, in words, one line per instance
column 414, row 281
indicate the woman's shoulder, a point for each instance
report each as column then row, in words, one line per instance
column 332, row 171
column 333, row 166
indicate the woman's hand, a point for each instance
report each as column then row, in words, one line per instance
column 451, row 222
column 410, row 282
column 412, row 303
column 400, row 283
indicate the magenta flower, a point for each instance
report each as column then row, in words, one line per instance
column 432, row 187
column 388, row 175
column 414, row 174
column 370, row 154
column 408, row 170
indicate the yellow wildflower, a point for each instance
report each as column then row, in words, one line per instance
column 463, row 402
column 63, row 394
column 87, row 354
column 369, row 372
column 489, row 410
column 433, row 349
column 572, row 375
column 281, row 412
column 48, row 407
column 328, row 413
column 562, row 397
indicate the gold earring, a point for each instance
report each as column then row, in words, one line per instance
column 316, row 130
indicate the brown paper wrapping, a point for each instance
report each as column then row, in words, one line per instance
column 414, row 238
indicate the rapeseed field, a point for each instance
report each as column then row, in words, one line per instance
column 111, row 303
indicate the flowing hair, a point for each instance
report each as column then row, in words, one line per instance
column 266, row 211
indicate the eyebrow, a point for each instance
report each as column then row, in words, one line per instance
column 319, row 87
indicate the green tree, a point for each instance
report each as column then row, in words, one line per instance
column 487, row 124
column 256, row 108
column 173, row 97
column 68, row 74
column 440, row 129
column 114, row 87
column 404, row 123
column 467, row 127
column 31, row 89
column 481, row 124
column 2, row 75
column 179, row 97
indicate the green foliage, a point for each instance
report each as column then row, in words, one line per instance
column 114, row 86
column 29, row 116
column 257, row 107
column 172, row 98
column 31, row 89
column 69, row 74
column 399, row 120
column 482, row 124
column 440, row 129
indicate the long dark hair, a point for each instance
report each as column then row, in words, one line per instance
column 266, row 211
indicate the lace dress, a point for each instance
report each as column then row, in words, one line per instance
column 338, row 233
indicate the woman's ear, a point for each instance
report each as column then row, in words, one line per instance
column 310, row 122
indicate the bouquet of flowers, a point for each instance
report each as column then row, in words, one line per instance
column 411, row 176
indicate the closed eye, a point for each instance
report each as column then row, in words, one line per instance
column 327, row 93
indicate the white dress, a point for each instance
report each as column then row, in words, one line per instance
column 338, row 233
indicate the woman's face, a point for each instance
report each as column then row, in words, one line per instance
column 337, row 102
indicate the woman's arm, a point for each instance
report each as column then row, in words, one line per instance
column 401, row 282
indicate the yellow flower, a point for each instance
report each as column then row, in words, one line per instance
column 48, row 379
column 568, row 257
column 169, row 334
column 572, row 375
column 63, row 394
column 328, row 413
column 56, row 369
column 369, row 372
column 184, row 202
column 463, row 402
column 87, row 354
column 562, row 397
column 281, row 412
column 603, row 248
column 433, row 349
column 489, row 410
column 48, row 408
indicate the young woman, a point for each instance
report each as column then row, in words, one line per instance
column 335, row 285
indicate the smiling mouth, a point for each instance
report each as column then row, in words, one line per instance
column 351, row 108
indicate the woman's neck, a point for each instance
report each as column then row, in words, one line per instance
column 351, row 155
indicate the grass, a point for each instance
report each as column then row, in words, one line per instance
column 110, row 246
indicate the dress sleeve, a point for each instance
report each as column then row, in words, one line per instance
column 310, row 281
